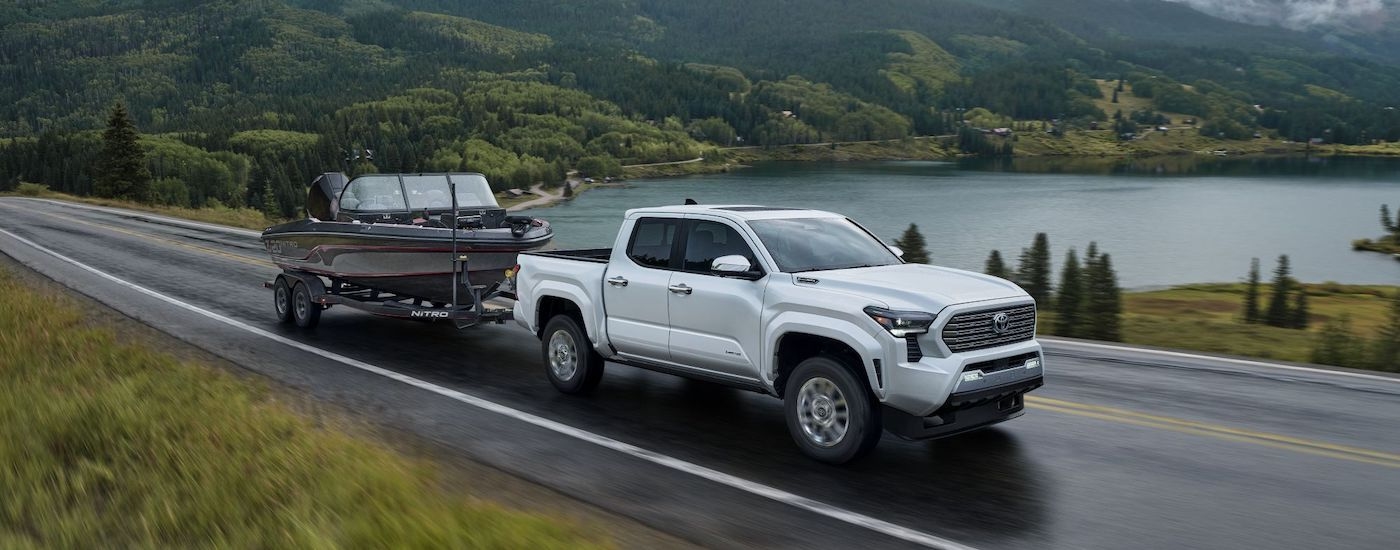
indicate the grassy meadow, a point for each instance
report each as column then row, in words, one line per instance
column 110, row 443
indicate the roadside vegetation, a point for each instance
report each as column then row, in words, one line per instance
column 109, row 443
column 1389, row 243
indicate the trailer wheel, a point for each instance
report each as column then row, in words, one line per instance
column 305, row 312
column 830, row 414
column 569, row 362
column 282, row 301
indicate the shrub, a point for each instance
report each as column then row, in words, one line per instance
column 32, row 189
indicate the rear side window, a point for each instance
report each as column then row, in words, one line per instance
column 707, row 240
column 652, row 242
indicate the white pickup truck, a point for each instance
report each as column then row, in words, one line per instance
column 803, row 305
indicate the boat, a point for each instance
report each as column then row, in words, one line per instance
column 398, row 234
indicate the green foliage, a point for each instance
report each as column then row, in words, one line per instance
column 110, row 443
column 1338, row 345
column 995, row 266
column 599, row 166
column 32, row 189
column 1387, row 344
column 1033, row 273
column 1279, row 313
column 121, row 171
column 913, row 244
column 1103, row 307
column 1069, row 302
column 1251, row 296
column 1298, row 316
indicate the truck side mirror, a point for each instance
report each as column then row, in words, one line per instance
column 897, row 251
column 735, row 266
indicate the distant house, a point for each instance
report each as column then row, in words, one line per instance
column 789, row 114
column 515, row 193
column 1003, row 132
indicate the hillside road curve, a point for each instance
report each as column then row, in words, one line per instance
column 1122, row 448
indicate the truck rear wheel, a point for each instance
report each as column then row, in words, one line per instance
column 830, row 414
column 569, row 362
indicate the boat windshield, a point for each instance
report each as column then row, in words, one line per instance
column 382, row 192
column 373, row 193
column 431, row 191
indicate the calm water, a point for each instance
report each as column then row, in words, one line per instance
column 1165, row 222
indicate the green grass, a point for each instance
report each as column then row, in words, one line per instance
column 1206, row 317
column 246, row 218
column 107, row 443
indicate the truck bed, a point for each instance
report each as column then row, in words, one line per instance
column 596, row 255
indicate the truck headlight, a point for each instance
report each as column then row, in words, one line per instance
column 901, row 323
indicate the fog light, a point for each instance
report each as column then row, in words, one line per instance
column 1033, row 363
column 972, row 376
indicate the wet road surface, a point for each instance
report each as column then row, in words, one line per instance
column 1121, row 448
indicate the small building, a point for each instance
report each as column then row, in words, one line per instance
column 515, row 193
column 1003, row 132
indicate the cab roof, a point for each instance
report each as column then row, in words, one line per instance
column 741, row 212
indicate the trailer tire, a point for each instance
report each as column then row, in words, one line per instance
column 569, row 362
column 830, row 413
column 282, row 301
column 305, row 311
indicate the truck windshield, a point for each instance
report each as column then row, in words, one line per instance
column 818, row 244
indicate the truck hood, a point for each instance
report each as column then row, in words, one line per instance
column 916, row 287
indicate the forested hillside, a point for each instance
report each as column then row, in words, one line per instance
column 243, row 101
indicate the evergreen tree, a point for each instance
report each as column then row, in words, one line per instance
column 1337, row 345
column 1278, row 314
column 1103, row 307
column 1115, row 96
column 1251, row 293
column 1033, row 273
column 120, row 171
column 913, row 245
column 995, row 266
column 1298, row 317
column 1069, row 301
column 1387, row 354
column 1386, row 221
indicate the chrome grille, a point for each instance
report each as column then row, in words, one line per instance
column 973, row 330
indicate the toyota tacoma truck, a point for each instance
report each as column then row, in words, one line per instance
column 803, row 305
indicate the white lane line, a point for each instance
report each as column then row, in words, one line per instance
column 166, row 220
column 1223, row 360
column 773, row 493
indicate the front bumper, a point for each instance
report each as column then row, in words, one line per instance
column 964, row 411
column 920, row 388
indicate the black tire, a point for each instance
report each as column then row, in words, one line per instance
column 569, row 361
column 282, row 301
column 814, row 423
column 305, row 312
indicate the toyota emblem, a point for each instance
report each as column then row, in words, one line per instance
column 1000, row 323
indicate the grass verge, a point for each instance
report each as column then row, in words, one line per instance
column 246, row 218
column 1206, row 317
column 106, row 443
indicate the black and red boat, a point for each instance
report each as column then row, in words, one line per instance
column 403, row 234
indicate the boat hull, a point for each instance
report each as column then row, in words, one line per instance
column 406, row 260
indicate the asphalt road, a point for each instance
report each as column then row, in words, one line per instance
column 1121, row 448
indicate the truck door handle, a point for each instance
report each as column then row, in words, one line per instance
column 681, row 289
column 617, row 281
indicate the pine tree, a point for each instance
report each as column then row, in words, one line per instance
column 1386, row 221
column 1298, row 317
column 995, row 266
column 1387, row 347
column 1115, row 96
column 1337, row 345
column 1251, row 293
column 912, row 243
column 120, row 171
column 1103, row 307
column 1033, row 274
column 1278, row 314
column 1069, row 301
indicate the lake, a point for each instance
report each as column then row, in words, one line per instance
column 1165, row 221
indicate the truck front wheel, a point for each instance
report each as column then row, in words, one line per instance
column 569, row 362
column 829, row 412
